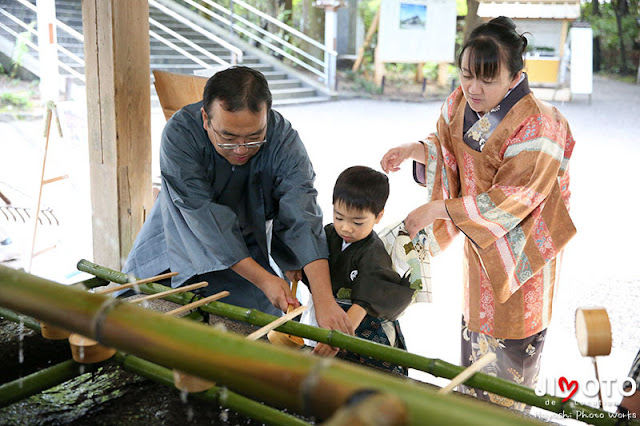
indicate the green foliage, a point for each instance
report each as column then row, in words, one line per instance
column 361, row 83
column 461, row 7
column 606, row 27
column 19, row 100
column 20, row 49
column 367, row 10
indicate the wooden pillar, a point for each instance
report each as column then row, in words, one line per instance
column 116, row 51
column 443, row 73
column 419, row 72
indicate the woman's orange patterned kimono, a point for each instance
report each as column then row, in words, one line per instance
column 511, row 200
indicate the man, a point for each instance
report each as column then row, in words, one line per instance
column 237, row 194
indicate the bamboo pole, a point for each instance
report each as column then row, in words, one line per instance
column 52, row 376
column 17, row 318
column 280, row 377
column 37, row 382
column 433, row 366
column 219, row 395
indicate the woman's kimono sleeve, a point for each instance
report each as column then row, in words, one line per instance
column 208, row 232
column 440, row 176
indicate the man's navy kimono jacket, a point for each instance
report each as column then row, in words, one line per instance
column 210, row 215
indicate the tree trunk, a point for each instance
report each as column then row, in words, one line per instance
column 597, row 55
column 287, row 7
column 621, row 8
column 472, row 19
column 312, row 25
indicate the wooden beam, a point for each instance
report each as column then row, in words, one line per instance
column 116, row 46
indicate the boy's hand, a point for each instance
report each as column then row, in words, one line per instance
column 323, row 349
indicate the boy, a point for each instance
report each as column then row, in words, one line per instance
column 362, row 278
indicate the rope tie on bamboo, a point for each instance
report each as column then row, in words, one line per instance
column 99, row 317
column 307, row 388
column 360, row 395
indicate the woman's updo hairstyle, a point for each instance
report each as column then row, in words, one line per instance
column 491, row 44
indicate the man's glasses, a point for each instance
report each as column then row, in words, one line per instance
column 232, row 146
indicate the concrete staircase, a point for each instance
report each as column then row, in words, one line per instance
column 286, row 86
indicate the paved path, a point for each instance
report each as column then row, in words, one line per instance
column 600, row 266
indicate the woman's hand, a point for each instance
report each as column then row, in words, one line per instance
column 424, row 216
column 395, row 156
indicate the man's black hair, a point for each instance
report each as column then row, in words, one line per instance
column 238, row 88
column 362, row 188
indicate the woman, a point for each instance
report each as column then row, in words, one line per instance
column 497, row 170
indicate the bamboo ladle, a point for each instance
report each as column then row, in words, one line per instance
column 593, row 332
column 468, row 372
column 283, row 339
column 88, row 351
column 51, row 332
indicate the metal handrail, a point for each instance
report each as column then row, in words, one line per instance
column 189, row 43
column 236, row 53
column 178, row 49
column 27, row 27
column 34, row 47
column 231, row 18
column 286, row 27
column 59, row 23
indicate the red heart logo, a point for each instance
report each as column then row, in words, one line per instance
column 562, row 382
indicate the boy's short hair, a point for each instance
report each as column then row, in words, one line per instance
column 362, row 188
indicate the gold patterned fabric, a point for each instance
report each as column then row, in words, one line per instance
column 517, row 360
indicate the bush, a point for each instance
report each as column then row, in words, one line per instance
column 20, row 100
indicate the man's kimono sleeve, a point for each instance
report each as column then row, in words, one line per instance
column 208, row 232
column 298, row 236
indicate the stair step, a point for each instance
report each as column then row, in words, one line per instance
column 293, row 93
column 173, row 59
column 284, row 84
column 295, row 101
column 285, row 90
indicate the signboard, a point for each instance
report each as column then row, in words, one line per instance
column 581, row 60
column 414, row 31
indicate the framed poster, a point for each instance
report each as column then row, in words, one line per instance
column 413, row 16
column 414, row 31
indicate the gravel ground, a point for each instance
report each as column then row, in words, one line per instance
column 599, row 265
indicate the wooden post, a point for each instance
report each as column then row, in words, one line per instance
column 116, row 46
column 443, row 73
column 419, row 72
column 367, row 40
column 378, row 67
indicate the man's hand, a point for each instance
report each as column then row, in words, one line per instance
column 278, row 292
column 328, row 314
column 275, row 288
column 294, row 276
